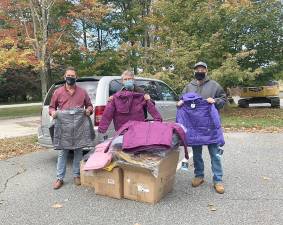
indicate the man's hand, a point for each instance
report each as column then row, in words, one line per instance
column 54, row 114
column 146, row 97
column 180, row 103
column 210, row 100
column 88, row 112
column 110, row 98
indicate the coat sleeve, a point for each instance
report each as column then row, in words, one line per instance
column 106, row 117
column 181, row 133
column 87, row 102
column 119, row 132
column 153, row 111
column 220, row 98
column 53, row 103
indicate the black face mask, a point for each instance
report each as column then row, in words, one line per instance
column 199, row 75
column 70, row 80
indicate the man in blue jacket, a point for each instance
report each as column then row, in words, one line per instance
column 214, row 94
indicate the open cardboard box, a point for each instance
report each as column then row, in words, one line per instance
column 104, row 182
column 141, row 185
column 134, row 182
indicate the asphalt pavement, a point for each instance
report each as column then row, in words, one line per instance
column 253, row 180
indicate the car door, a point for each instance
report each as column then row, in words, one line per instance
column 168, row 100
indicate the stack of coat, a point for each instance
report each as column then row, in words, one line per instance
column 150, row 136
column 142, row 144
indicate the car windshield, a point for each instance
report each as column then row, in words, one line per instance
column 89, row 86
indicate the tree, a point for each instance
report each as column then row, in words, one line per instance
column 128, row 19
column 48, row 28
column 88, row 16
column 222, row 33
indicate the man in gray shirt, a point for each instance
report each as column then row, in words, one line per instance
column 214, row 94
column 206, row 88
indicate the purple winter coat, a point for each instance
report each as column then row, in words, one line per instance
column 126, row 106
column 153, row 134
column 201, row 119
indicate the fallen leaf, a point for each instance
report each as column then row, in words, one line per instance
column 212, row 209
column 57, row 205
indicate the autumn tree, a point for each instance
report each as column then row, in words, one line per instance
column 235, row 38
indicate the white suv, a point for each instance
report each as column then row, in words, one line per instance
column 99, row 90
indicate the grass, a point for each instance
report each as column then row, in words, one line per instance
column 26, row 111
column 11, row 147
column 233, row 119
column 236, row 118
column 21, row 102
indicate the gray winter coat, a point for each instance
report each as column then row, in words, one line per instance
column 72, row 130
column 209, row 88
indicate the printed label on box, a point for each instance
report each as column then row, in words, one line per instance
column 142, row 188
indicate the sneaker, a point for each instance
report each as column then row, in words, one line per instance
column 77, row 181
column 219, row 188
column 57, row 184
column 197, row 181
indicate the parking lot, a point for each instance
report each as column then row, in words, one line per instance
column 252, row 176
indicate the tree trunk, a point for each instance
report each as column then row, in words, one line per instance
column 99, row 38
column 50, row 79
column 84, row 34
column 44, row 80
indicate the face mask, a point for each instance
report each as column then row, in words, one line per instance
column 129, row 85
column 70, row 80
column 199, row 75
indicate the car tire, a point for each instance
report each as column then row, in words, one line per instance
column 243, row 103
column 275, row 102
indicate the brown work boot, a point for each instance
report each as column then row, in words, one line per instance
column 197, row 181
column 77, row 181
column 57, row 184
column 219, row 188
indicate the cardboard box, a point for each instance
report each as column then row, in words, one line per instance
column 141, row 185
column 104, row 182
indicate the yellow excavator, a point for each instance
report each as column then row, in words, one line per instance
column 260, row 94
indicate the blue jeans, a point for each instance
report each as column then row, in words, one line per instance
column 216, row 166
column 62, row 163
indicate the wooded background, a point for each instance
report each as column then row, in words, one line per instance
column 240, row 40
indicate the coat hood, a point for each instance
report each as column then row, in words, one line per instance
column 191, row 96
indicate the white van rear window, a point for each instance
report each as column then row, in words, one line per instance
column 89, row 86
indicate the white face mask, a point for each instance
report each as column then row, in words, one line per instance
column 129, row 85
